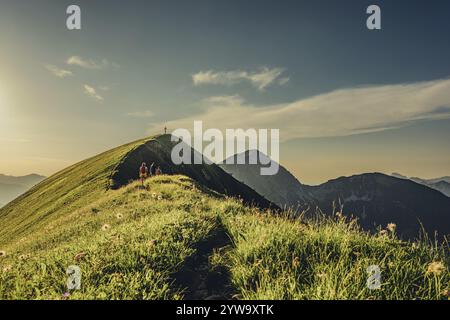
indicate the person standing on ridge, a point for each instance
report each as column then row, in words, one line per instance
column 143, row 173
column 152, row 169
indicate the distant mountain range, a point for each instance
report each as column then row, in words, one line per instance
column 374, row 198
column 440, row 184
column 11, row 187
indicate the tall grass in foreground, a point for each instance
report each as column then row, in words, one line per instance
column 327, row 258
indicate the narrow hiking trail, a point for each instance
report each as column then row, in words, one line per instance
column 200, row 279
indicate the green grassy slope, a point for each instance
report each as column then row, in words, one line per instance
column 85, row 182
column 158, row 151
column 60, row 194
column 177, row 239
column 128, row 243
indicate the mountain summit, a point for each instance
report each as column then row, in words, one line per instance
column 84, row 182
column 282, row 188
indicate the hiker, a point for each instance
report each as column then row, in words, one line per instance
column 152, row 169
column 143, row 172
column 158, row 171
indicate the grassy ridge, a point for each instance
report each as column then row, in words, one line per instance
column 60, row 194
column 131, row 243
column 127, row 244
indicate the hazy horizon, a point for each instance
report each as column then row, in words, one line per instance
column 346, row 100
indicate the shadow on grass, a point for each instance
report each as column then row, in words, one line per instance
column 198, row 278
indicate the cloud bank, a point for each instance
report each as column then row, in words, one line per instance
column 259, row 79
column 338, row 113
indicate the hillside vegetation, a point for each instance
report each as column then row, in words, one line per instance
column 60, row 194
column 176, row 239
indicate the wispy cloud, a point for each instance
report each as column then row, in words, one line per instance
column 141, row 114
column 337, row 113
column 90, row 91
column 259, row 79
column 59, row 72
column 89, row 63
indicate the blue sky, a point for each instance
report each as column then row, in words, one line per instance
column 66, row 95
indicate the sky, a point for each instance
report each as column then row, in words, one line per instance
column 346, row 99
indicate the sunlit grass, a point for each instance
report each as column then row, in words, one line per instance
column 280, row 258
column 152, row 231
